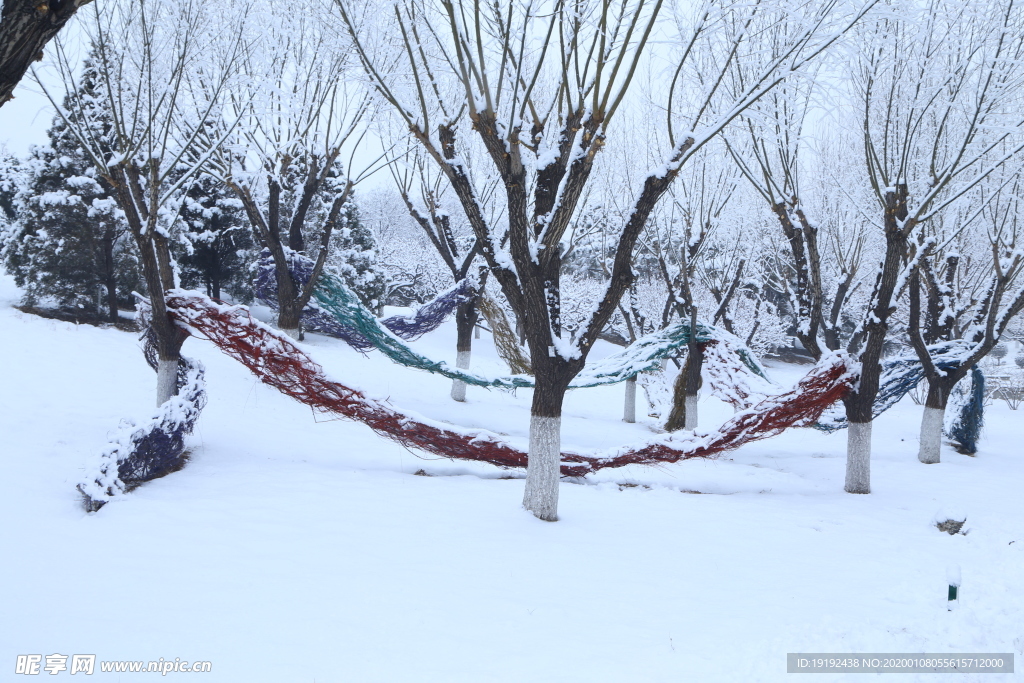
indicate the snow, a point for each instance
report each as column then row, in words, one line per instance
column 295, row 550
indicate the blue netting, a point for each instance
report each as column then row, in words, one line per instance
column 424, row 319
column 138, row 454
column 899, row 376
column 335, row 298
column 965, row 429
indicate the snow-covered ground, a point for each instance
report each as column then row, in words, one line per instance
column 296, row 550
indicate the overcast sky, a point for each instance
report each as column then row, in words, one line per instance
column 24, row 120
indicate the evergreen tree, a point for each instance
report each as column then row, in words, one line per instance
column 218, row 244
column 10, row 173
column 353, row 255
column 67, row 244
column 352, row 249
column 11, row 178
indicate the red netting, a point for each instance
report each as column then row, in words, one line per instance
column 278, row 362
column 825, row 384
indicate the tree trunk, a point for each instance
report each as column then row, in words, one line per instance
column 686, row 392
column 629, row 409
column 112, row 300
column 859, row 417
column 215, row 274
column 465, row 321
column 110, row 275
column 932, row 420
column 858, row 457
column 860, row 403
column 289, row 310
column 166, row 380
column 289, row 317
column 156, row 270
column 690, row 422
column 543, row 469
column 462, row 359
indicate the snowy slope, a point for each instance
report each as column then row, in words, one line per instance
column 292, row 550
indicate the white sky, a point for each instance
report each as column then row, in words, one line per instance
column 24, row 120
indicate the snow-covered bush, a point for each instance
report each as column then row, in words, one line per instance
column 353, row 256
column 66, row 243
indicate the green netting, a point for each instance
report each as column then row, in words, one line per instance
column 643, row 355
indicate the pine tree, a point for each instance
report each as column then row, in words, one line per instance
column 10, row 173
column 218, row 243
column 354, row 257
column 67, row 245
column 11, row 178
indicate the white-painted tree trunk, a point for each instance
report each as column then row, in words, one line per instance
column 931, row 435
column 458, row 386
column 629, row 409
column 858, row 457
column 543, row 467
column 293, row 333
column 691, row 412
column 166, row 380
column 476, row 332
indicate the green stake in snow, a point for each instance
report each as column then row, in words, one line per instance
column 953, row 579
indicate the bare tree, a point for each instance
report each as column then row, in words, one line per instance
column 934, row 93
column 161, row 71
column 538, row 86
column 931, row 85
column 701, row 257
column 679, row 243
column 297, row 116
column 26, row 26
column 428, row 213
column 824, row 244
column 971, row 290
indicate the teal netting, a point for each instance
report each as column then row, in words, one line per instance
column 641, row 356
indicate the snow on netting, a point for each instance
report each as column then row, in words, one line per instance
column 899, row 376
column 279, row 363
column 729, row 377
column 426, row 318
column 643, row 355
column 965, row 412
column 140, row 453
